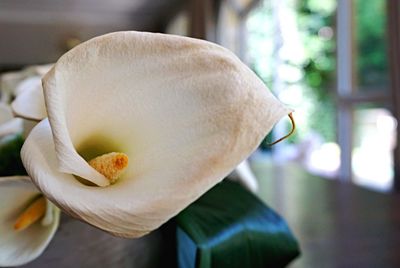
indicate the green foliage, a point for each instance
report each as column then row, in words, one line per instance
column 312, row 69
column 10, row 160
column 315, row 24
column 315, row 20
column 245, row 233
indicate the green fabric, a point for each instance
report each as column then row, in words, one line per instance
column 230, row 227
column 10, row 160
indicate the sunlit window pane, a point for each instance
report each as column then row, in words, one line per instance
column 374, row 141
column 291, row 46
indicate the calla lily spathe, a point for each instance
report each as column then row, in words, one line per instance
column 186, row 112
column 28, row 93
column 29, row 104
column 14, row 83
column 8, row 124
column 20, row 247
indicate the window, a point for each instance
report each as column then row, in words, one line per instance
column 366, row 128
column 329, row 61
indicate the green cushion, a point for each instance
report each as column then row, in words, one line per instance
column 230, row 227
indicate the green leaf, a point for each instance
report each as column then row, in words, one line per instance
column 10, row 159
column 230, row 227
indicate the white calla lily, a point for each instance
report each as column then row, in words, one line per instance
column 186, row 112
column 29, row 102
column 9, row 124
column 28, row 83
column 8, row 84
column 39, row 70
column 14, row 83
column 20, row 247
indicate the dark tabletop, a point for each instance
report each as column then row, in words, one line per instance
column 79, row 245
column 337, row 224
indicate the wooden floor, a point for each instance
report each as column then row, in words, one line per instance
column 337, row 224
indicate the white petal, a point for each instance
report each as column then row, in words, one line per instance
column 8, row 84
column 29, row 102
column 69, row 161
column 245, row 176
column 49, row 215
column 8, row 124
column 12, row 83
column 5, row 113
column 28, row 83
column 185, row 111
column 40, row 70
column 18, row 248
column 13, row 126
column 75, row 198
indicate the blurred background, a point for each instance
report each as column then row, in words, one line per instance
column 335, row 62
column 328, row 60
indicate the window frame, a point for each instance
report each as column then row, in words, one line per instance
column 347, row 95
